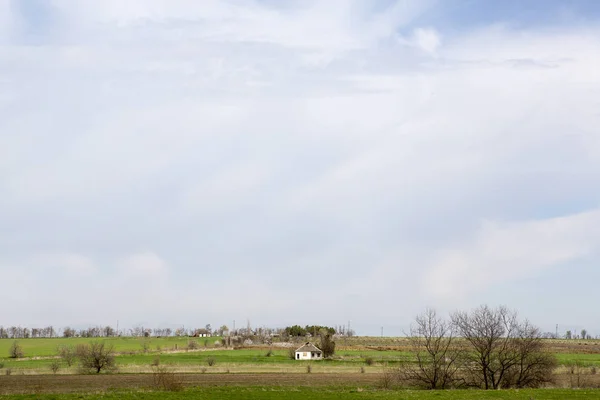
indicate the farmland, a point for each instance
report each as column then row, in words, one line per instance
column 206, row 369
column 323, row 393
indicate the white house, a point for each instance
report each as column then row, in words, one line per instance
column 309, row 352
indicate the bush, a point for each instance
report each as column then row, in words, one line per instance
column 362, row 370
column 308, row 369
column 54, row 366
column 96, row 356
column 389, row 379
column 156, row 361
column 8, row 371
column 369, row 360
column 163, row 379
column 145, row 343
column 211, row 361
column 16, row 351
column 192, row 345
column 269, row 353
column 291, row 353
column 68, row 354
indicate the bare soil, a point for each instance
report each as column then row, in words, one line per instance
column 99, row 383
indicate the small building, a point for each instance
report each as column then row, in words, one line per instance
column 309, row 352
column 202, row 333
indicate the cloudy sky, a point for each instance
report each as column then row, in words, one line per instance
column 168, row 162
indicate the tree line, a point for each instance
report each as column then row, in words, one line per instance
column 18, row 332
column 313, row 330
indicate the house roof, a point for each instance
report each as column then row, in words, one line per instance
column 308, row 347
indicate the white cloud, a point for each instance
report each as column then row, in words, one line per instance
column 69, row 262
column 427, row 39
column 504, row 252
column 142, row 264
column 264, row 142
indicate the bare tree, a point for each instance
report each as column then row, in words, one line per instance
column 96, row 356
column 503, row 351
column 437, row 352
column 68, row 332
column 67, row 353
column 534, row 362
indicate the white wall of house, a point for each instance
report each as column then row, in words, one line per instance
column 307, row 356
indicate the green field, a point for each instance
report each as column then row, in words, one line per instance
column 209, row 371
column 48, row 347
column 137, row 354
column 329, row 393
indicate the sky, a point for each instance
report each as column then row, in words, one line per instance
column 183, row 162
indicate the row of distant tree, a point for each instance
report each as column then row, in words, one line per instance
column 569, row 335
column 18, row 332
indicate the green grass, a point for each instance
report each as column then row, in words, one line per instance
column 582, row 359
column 330, row 393
column 48, row 347
column 131, row 354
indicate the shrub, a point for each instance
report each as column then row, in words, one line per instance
column 55, row 366
column 203, row 370
column 308, row 369
column 156, row 361
column 269, row 353
column 68, row 354
column 369, row 360
column 211, row 361
column 291, row 353
column 362, row 370
column 145, row 345
column 96, row 356
column 16, row 351
column 192, row 345
column 8, row 371
column 163, row 379
column 389, row 378
column 1, row 365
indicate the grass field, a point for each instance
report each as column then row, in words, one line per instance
column 260, row 371
column 137, row 354
column 48, row 347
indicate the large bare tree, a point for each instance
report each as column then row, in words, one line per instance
column 438, row 354
column 504, row 352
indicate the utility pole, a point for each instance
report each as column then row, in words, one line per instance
column 382, row 331
column 556, row 331
column 117, row 328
